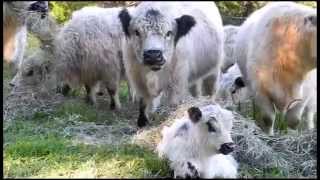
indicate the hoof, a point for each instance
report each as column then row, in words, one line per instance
column 142, row 121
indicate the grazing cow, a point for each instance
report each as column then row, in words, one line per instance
column 199, row 144
column 276, row 47
column 88, row 52
column 171, row 47
column 231, row 85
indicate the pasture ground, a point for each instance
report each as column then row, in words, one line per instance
column 77, row 140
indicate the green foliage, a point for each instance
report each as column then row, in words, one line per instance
column 245, row 8
column 238, row 8
column 62, row 10
column 312, row 4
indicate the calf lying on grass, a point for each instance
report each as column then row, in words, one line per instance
column 194, row 144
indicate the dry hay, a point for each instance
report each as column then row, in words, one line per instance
column 25, row 101
column 294, row 154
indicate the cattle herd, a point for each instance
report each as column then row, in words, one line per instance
column 167, row 50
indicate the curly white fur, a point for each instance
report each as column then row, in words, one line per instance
column 275, row 49
column 196, row 57
column 186, row 142
column 88, row 50
column 227, row 85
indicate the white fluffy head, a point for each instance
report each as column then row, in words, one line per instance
column 152, row 32
column 33, row 70
column 211, row 126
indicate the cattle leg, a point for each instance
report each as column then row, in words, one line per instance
column 267, row 115
column 65, row 89
column 309, row 118
column 114, row 96
column 195, row 89
column 210, row 85
column 89, row 99
column 293, row 116
column 142, row 119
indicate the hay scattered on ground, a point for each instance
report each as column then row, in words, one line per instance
column 25, row 101
column 294, row 154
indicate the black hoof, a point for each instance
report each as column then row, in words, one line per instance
column 112, row 106
column 99, row 93
column 89, row 100
column 142, row 121
column 65, row 90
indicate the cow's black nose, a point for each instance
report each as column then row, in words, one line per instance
column 227, row 148
column 100, row 93
column 154, row 55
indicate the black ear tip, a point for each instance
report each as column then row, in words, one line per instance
column 189, row 19
column 125, row 18
column 194, row 114
column 239, row 82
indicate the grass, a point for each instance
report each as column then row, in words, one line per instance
column 52, row 156
column 40, row 148
column 252, row 111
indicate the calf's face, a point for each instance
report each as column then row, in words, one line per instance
column 32, row 71
column 153, row 35
column 213, row 131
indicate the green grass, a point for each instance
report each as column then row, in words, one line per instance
column 252, row 111
column 39, row 148
column 56, row 157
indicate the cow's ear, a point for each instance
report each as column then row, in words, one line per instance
column 239, row 82
column 125, row 19
column 184, row 24
column 194, row 114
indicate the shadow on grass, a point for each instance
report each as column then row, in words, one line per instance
column 55, row 157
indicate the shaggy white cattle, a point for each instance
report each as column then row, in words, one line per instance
column 230, row 33
column 198, row 145
column 231, row 85
column 171, row 47
column 15, row 16
column 88, row 52
column 276, row 47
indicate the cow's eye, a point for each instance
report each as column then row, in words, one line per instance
column 210, row 127
column 30, row 73
column 137, row 33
